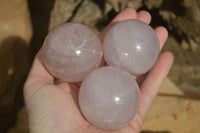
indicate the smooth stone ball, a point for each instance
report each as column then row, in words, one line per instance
column 71, row 51
column 132, row 45
column 109, row 97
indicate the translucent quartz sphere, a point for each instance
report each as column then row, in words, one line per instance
column 71, row 51
column 109, row 97
column 132, row 45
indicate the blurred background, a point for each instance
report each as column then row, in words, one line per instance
column 25, row 23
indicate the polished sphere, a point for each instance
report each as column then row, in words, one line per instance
column 71, row 51
column 132, row 45
column 109, row 97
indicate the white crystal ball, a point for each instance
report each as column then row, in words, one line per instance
column 71, row 51
column 132, row 45
column 109, row 97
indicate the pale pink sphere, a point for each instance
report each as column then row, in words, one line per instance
column 71, row 51
column 132, row 45
column 109, row 97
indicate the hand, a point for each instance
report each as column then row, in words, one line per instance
column 53, row 108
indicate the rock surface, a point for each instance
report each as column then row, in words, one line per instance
column 15, row 59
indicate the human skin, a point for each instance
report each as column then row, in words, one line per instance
column 53, row 107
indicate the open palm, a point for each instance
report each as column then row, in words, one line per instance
column 53, row 108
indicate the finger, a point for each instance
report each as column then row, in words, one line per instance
column 127, row 13
column 153, row 81
column 162, row 35
column 38, row 71
column 144, row 16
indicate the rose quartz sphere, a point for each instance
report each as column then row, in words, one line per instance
column 71, row 51
column 109, row 97
column 132, row 45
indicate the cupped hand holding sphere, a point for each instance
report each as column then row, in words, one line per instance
column 57, row 105
column 72, row 52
